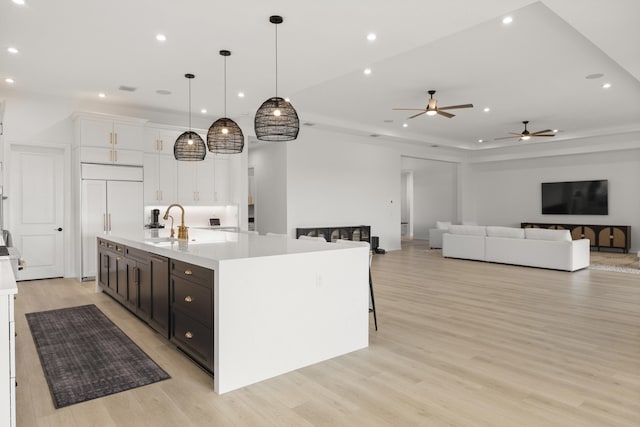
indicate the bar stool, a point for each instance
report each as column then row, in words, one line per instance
column 372, row 300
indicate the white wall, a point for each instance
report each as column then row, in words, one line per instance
column 336, row 179
column 508, row 192
column 435, row 193
column 269, row 163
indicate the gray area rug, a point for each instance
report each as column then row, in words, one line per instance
column 84, row 355
column 614, row 268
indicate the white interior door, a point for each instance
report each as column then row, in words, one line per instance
column 94, row 221
column 36, row 199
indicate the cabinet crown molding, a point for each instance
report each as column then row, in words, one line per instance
column 104, row 116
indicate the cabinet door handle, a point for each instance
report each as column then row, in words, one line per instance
column 188, row 334
column 188, row 272
column 136, row 275
column 188, row 298
column 110, row 245
column 119, row 249
column 111, row 138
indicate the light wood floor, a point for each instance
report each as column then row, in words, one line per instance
column 460, row 343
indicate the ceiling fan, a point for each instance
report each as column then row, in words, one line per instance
column 433, row 109
column 525, row 135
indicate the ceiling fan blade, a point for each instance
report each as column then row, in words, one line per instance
column 541, row 131
column 416, row 115
column 506, row 137
column 537, row 135
column 444, row 113
column 513, row 133
column 452, row 107
column 409, row 109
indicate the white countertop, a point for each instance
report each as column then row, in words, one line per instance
column 208, row 247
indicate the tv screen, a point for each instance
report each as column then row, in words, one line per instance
column 575, row 198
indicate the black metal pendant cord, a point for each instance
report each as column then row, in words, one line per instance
column 276, row 27
column 189, row 103
column 225, row 86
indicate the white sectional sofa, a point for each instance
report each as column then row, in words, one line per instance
column 435, row 234
column 533, row 247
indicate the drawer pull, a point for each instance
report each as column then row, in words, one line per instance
column 189, row 335
column 119, row 249
column 188, row 272
column 188, row 298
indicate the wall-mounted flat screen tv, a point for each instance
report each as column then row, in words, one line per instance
column 575, row 198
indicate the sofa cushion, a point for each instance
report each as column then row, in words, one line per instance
column 545, row 234
column 512, row 232
column 468, row 230
column 443, row 225
column 469, row 223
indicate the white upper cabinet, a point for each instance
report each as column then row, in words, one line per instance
column 109, row 139
column 160, row 179
column 222, row 180
column 160, row 140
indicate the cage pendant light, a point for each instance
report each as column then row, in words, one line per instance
column 225, row 136
column 276, row 119
column 189, row 146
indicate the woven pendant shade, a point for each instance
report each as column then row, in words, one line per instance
column 193, row 152
column 220, row 141
column 225, row 136
column 272, row 126
column 189, row 146
column 276, row 119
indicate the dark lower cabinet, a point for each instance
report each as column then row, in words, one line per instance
column 192, row 311
column 159, row 294
column 173, row 297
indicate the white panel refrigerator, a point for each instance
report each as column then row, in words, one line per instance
column 109, row 205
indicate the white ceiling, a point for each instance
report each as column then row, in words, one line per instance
column 533, row 69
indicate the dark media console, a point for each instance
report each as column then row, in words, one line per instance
column 600, row 236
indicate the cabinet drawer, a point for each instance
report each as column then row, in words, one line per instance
column 193, row 338
column 136, row 254
column 192, row 299
column 192, row 273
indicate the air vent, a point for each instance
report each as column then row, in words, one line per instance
column 308, row 124
column 435, row 146
column 374, row 135
column 128, row 88
column 388, row 121
column 163, row 92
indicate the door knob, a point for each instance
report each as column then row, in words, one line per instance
column 59, row 229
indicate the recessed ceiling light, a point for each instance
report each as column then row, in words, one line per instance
column 606, row 86
column 405, row 125
column 102, row 95
column 161, row 37
column 203, row 111
column 240, row 94
column 486, row 109
column 287, row 99
column 481, row 140
column 9, row 80
column 19, row 2
column 507, row 20
column 12, row 50
column 556, row 131
column 367, row 71
column 594, row 76
column 371, row 36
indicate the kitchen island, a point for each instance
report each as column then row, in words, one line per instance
column 267, row 305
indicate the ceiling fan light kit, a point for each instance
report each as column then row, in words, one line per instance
column 189, row 146
column 225, row 136
column 433, row 109
column 525, row 135
column 276, row 119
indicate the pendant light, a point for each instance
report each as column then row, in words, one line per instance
column 276, row 119
column 225, row 136
column 189, row 146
